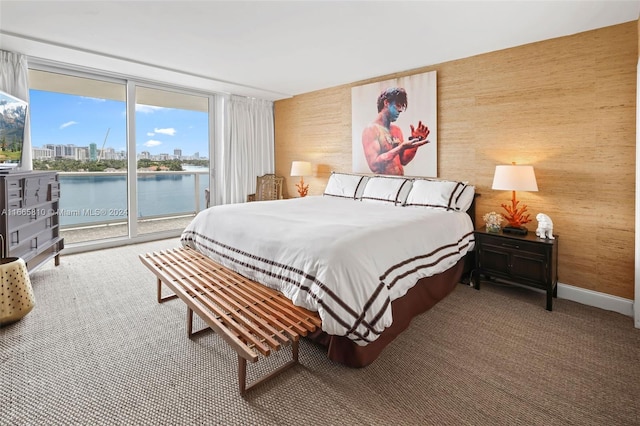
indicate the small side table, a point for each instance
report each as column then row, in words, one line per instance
column 523, row 259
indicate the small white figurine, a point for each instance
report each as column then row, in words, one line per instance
column 545, row 226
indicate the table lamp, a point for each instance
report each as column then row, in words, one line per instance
column 515, row 178
column 301, row 168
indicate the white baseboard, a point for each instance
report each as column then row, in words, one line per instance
column 597, row 299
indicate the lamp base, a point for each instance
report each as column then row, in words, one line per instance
column 519, row 230
column 302, row 188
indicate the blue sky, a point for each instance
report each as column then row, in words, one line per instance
column 62, row 119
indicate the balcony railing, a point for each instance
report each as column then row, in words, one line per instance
column 93, row 205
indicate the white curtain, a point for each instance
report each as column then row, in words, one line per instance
column 247, row 148
column 14, row 80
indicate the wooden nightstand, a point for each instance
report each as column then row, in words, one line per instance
column 523, row 259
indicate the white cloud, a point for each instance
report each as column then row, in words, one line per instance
column 168, row 131
column 151, row 143
column 150, row 133
column 93, row 99
column 67, row 124
column 147, row 108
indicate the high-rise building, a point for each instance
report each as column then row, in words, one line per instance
column 42, row 153
column 93, row 152
column 82, row 154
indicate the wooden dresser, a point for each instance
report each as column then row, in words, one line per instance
column 29, row 221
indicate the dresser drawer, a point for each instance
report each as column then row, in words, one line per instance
column 14, row 193
column 15, row 203
column 14, row 184
column 18, row 217
column 31, row 246
column 19, row 236
column 53, row 193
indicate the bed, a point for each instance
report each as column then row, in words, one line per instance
column 368, row 255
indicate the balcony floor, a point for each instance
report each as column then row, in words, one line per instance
column 100, row 232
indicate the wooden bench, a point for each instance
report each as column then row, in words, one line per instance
column 251, row 318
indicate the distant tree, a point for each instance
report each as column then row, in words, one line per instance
column 199, row 163
column 68, row 165
column 145, row 163
column 174, row 165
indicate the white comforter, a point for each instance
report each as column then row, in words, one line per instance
column 343, row 258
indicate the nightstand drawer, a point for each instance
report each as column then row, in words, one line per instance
column 498, row 243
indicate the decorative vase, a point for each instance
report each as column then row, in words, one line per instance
column 493, row 227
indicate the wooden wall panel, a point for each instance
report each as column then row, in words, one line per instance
column 565, row 105
column 318, row 131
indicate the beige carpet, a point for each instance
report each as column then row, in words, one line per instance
column 98, row 349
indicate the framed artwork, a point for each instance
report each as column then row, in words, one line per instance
column 394, row 127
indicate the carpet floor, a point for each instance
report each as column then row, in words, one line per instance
column 98, row 349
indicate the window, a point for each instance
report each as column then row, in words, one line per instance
column 79, row 126
column 172, row 137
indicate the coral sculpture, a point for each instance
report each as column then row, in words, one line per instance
column 516, row 216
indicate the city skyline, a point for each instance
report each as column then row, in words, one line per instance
column 63, row 119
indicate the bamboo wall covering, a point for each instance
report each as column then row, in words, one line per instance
column 566, row 106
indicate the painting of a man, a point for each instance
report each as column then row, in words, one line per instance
column 385, row 148
column 394, row 128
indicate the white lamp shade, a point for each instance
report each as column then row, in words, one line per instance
column 514, row 178
column 300, row 168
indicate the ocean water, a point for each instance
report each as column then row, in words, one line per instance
column 98, row 199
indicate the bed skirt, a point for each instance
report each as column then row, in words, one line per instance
column 420, row 298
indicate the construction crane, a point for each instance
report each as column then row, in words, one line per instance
column 103, row 143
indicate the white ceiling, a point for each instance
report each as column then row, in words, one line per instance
column 275, row 50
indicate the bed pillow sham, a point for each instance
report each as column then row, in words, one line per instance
column 437, row 194
column 384, row 189
column 345, row 185
column 465, row 197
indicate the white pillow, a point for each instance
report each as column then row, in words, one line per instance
column 465, row 198
column 344, row 185
column 437, row 194
column 386, row 189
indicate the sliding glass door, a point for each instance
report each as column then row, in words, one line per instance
column 172, row 141
column 127, row 169
column 78, row 127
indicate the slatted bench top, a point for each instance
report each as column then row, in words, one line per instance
column 253, row 319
